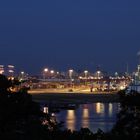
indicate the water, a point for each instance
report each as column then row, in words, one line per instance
column 92, row 116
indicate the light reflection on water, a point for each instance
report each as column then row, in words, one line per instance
column 92, row 116
column 70, row 119
column 85, row 116
column 110, row 109
column 100, row 108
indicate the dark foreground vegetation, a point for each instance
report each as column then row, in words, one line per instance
column 22, row 119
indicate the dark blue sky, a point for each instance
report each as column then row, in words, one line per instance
column 63, row 34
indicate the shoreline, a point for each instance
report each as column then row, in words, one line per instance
column 75, row 97
column 68, row 91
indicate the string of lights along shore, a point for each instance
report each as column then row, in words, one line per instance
column 98, row 80
column 71, row 78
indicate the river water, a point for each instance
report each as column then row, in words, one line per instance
column 92, row 116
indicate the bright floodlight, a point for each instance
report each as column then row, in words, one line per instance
column 52, row 71
column 45, row 70
column 85, row 71
column 22, row 72
column 98, row 72
column 71, row 71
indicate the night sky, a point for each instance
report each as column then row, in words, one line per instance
column 63, row 34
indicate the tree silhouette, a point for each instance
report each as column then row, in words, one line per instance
column 4, row 83
column 20, row 117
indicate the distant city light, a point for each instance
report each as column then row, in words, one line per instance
column 11, row 66
column 70, row 73
column 98, row 72
column 1, row 69
column 85, row 72
column 46, row 70
column 52, row 71
column 11, row 71
column 22, row 72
